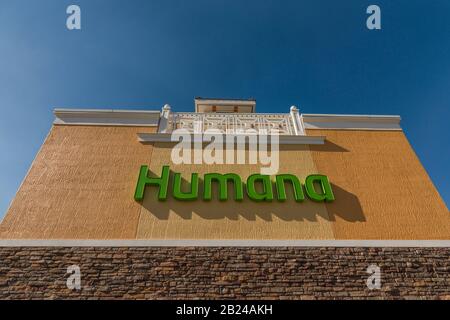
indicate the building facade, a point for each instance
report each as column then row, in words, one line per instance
column 82, row 184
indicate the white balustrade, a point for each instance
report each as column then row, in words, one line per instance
column 284, row 123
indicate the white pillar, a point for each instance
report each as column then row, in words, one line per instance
column 198, row 123
column 164, row 120
column 297, row 121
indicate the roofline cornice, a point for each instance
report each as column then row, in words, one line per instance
column 106, row 117
column 71, row 116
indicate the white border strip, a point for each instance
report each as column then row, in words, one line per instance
column 283, row 139
column 351, row 122
column 103, row 117
column 227, row 243
column 151, row 118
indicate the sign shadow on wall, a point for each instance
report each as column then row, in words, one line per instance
column 346, row 206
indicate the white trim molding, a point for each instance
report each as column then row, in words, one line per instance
column 351, row 122
column 228, row 243
column 106, row 117
column 283, row 139
column 155, row 118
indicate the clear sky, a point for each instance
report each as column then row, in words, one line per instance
column 316, row 54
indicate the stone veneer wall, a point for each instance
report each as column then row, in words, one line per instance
column 224, row 272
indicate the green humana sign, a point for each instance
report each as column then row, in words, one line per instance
column 316, row 187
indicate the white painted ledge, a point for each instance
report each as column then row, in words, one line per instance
column 351, row 122
column 229, row 243
column 99, row 117
column 283, row 139
column 151, row 118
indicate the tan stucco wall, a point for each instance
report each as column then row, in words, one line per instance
column 382, row 191
column 80, row 185
column 82, row 182
column 234, row 220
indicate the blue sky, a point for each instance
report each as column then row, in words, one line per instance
column 315, row 54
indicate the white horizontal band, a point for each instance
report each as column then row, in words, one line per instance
column 227, row 243
column 99, row 117
column 283, row 139
column 351, row 122
column 151, row 118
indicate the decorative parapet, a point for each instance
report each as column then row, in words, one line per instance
column 233, row 123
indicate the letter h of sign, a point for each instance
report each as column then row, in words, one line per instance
column 144, row 180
